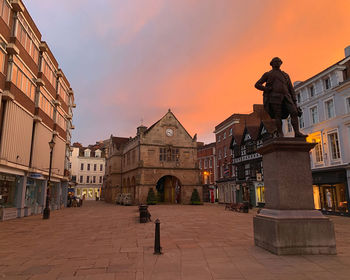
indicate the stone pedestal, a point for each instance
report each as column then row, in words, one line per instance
column 289, row 224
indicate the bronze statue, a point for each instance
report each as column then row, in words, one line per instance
column 279, row 97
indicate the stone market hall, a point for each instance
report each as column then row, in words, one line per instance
column 162, row 157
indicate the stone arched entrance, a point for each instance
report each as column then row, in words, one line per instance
column 169, row 189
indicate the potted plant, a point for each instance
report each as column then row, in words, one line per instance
column 195, row 199
column 151, row 197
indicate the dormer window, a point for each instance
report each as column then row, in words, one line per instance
column 327, row 83
column 87, row 153
column 98, row 153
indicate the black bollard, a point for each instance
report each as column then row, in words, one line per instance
column 157, row 248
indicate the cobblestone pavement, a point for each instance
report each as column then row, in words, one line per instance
column 104, row 241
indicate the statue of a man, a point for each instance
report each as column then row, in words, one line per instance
column 279, row 97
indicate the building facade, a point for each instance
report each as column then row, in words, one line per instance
column 87, row 170
column 36, row 107
column 162, row 157
column 325, row 101
column 232, row 184
column 206, row 163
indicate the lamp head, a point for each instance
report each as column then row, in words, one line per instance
column 52, row 144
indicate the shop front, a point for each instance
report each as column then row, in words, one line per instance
column 245, row 192
column 259, row 194
column 8, row 194
column 55, row 193
column 330, row 191
column 90, row 193
column 34, row 196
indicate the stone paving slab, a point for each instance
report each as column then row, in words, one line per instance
column 105, row 241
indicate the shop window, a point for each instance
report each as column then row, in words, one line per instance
column 7, row 190
column 317, row 201
column 32, row 195
column 332, row 198
column 260, row 194
column 90, row 193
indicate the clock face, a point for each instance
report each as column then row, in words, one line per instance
column 169, row 132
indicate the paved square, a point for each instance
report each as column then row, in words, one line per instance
column 105, row 241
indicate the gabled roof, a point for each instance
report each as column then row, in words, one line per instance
column 169, row 112
column 268, row 125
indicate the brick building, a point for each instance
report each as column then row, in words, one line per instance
column 36, row 107
column 206, row 163
column 232, row 129
column 162, row 157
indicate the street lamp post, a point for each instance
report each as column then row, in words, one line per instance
column 46, row 212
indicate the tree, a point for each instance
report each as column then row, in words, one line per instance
column 151, row 197
column 195, row 199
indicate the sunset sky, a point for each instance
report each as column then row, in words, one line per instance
column 129, row 60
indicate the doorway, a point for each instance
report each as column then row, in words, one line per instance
column 169, row 189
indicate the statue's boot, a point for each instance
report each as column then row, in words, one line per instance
column 295, row 124
column 279, row 130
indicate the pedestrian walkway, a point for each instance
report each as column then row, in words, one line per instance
column 105, row 241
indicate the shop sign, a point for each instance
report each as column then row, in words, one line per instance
column 246, row 157
column 8, row 178
column 35, row 175
column 258, row 177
